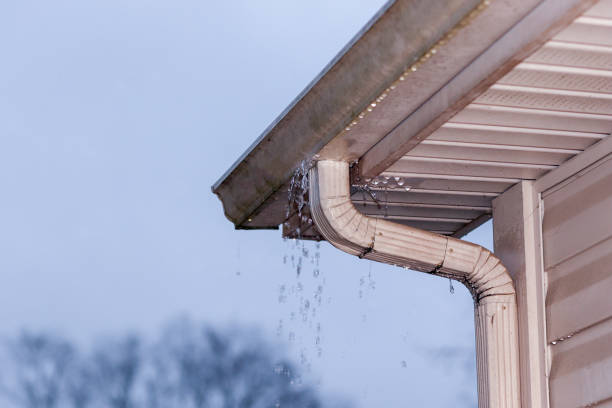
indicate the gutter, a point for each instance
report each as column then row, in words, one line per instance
column 398, row 35
column 485, row 276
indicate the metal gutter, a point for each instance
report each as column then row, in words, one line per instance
column 488, row 280
column 397, row 35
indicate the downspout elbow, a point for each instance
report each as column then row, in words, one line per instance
column 381, row 240
column 486, row 277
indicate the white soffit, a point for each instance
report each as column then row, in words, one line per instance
column 549, row 108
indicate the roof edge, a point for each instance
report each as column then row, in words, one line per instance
column 301, row 95
column 400, row 33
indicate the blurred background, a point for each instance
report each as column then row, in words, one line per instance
column 121, row 282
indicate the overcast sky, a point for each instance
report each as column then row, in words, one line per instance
column 116, row 117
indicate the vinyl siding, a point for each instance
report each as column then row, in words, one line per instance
column 577, row 245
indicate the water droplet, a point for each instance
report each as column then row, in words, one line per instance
column 451, row 287
column 404, row 364
column 554, row 342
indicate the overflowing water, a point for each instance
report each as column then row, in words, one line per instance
column 298, row 223
column 302, row 296
column 302, row 292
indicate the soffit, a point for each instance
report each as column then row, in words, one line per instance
column 546, row 110
column 455, row 127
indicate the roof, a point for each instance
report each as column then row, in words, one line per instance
column 455, row 102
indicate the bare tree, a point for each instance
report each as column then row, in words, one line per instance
column 189, row 366
column 79, row 386
column 229, row 369
column 115, row 369
column 40, row 364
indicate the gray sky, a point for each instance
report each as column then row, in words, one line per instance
column 117, row 116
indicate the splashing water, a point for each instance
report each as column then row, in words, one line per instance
column 282, row 297
column 297, row 217
column 318, row 296
column 371, row 281
column 387, row 182
column 303, row 290
column 298, row 269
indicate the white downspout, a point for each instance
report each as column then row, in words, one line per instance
column 486, row 277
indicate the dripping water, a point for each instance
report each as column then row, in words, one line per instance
column 301, row 294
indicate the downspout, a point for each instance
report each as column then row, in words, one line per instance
column 486, row 277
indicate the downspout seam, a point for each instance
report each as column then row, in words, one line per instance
column 437, row 268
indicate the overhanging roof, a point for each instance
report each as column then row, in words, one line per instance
column 430, row 91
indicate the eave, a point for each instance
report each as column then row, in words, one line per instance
column 437, row 58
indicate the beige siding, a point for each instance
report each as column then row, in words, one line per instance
column 577, row 244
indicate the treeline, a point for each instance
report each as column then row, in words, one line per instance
column 188, row 366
